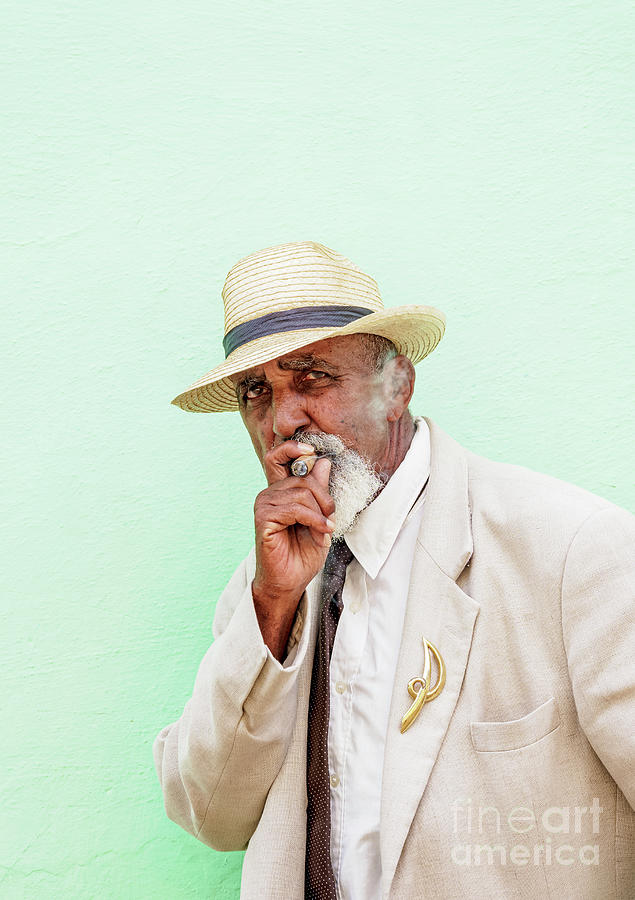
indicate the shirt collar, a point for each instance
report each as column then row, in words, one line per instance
column 372, row 537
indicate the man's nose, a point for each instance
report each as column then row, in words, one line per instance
column 289, row 414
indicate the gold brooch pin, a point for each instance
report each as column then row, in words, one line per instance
column 419, row 687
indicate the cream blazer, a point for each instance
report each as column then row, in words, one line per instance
column 518, row 781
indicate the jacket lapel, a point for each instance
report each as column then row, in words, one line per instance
column 439, row 610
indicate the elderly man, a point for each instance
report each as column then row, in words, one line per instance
column 421, row 681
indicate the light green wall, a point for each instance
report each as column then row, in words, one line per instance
column 473, row 156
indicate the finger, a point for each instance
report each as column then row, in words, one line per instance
column 317, row 538
column 304, row 490
column 296, row 490
column 278, row 518
column 277, row 459
column 318, row 482
column 319, row 492
column 321, row 471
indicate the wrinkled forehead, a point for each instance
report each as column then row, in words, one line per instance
column 329, row 353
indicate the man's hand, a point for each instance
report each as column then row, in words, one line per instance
column 292, row 539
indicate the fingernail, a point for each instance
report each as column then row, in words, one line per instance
column 327, row 540
column 330, row 523
column 308, row 447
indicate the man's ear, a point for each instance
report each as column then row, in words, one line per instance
column 399, row 384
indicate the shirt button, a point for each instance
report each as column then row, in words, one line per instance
column 355, row 606
column 334, row 781
column 340, row 687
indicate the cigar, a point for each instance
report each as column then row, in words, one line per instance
column 301, row 466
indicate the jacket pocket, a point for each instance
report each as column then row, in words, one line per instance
column 489, row 737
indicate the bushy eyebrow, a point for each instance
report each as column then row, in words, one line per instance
column 299, row 363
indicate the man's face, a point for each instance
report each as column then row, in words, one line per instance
column 329, row 386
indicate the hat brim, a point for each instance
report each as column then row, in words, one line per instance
column 414, row 330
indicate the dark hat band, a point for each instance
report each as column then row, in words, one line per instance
column 292, row 320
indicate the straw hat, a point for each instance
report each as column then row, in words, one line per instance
column 283, row 298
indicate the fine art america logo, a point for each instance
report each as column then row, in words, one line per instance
column 520, row 836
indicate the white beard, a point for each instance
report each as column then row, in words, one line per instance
column 353, row 481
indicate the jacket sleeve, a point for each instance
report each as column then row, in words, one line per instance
column 598, row 617
column 218, row 761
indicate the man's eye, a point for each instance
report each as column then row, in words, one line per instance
column 254, row 391
column 315, row 375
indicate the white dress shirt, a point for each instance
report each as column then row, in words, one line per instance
column 363, row 667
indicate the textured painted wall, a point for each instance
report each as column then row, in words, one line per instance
column 474, row 157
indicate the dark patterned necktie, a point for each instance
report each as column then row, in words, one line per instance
column 319, row 880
